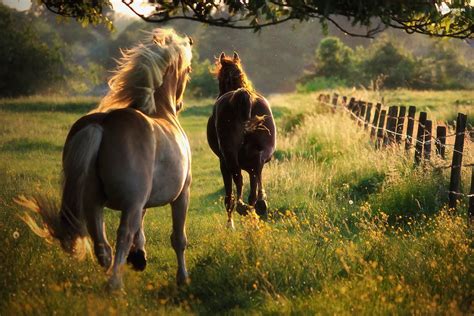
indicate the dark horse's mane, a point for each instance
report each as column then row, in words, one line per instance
column 235, row 79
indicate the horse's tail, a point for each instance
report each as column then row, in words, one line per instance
column 66, row 222
column 242, row 100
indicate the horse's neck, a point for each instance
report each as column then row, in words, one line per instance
column 165, row 103
column 224, row 89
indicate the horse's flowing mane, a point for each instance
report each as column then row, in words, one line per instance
column 140, row 71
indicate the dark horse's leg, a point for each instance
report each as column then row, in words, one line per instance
column 261, row 204
column 253, row 175
column 93, row 205
column 137, row 255
column 234, row 169
column 229, row 198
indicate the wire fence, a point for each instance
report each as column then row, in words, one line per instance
column 386, row 132
column 387, row 127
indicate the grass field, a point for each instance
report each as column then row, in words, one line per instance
column 352, row 230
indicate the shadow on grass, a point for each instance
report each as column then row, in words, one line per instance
column 26, row 145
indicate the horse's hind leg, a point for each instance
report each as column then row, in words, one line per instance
column 96, row 228
column 229, row 198
column 236, row 172
column 129, row 225
column 261, row 206
column 137, row 255
column 179, row 209
column 253, row 175
column 93, row 205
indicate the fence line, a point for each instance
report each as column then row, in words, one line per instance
column 387, row 129
column 395, row 133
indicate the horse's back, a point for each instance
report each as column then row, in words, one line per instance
column 260, row 143
column 227, row 135
column 125, row 158
column 137, row 158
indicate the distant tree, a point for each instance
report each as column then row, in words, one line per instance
column 387, row 65
column 203, row 83
column 443, row 67
column 430, row 17
column 28, row 64
column 334, row 59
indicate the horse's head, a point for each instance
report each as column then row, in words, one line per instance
column 177, row 74
column 230, row 74
column 184, row 69
column 152, row 76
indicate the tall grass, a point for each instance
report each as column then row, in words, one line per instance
column 352, row 230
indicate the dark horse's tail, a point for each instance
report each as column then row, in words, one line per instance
column 242, row 100
column 65, row 223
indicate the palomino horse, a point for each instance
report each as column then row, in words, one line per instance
column 129, row 154
column 241, row 132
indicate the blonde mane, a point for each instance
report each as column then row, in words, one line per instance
column 141, row 69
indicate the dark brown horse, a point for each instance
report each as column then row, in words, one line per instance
column 241, row 132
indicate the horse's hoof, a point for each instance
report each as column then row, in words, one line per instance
column 261, row 208
column 115, row 284
column 104, row 257
column 182, row 278
column 242, row 208
column 137, row 259
column 230, row 224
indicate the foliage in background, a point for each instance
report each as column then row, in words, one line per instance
column 203, row 83
column 87, row 54
column 38, row 58
column 28, row 64
column 387, row 64
column 425, row 17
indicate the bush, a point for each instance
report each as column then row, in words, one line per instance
column 389, row 65
column 27, row 64
column 334, row 59
column 320, row 83
column 203, row 84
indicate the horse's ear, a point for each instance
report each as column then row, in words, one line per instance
column 236, row 57
column 221, row 57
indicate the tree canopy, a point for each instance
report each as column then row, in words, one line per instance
column 431, row 17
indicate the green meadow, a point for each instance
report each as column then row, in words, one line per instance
column 352, row 230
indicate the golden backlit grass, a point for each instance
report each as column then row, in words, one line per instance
column 351, row 230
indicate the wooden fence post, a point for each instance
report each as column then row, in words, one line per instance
column 368, row 113
column 391, row 122
column 427, row 140
column 441, row 141
column 419, row 138
column 361, row 113
column 470, row 211
column 380, row 130
column 400, row 123
column 350, row 106
column 334, row 102
column 410, row 127
column 456, row 164
column 375, row 122
column 356, row 109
